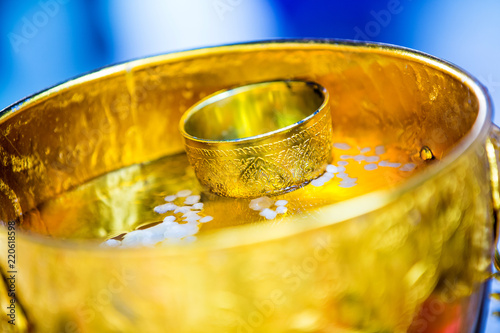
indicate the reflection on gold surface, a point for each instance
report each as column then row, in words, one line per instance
column 370, row 263
column 123, row 200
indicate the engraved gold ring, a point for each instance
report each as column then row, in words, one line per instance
column 259, row 139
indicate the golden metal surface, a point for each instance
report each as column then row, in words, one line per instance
column 260, row 139
column 405, row 258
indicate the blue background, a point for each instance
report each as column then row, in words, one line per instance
column 45, row 42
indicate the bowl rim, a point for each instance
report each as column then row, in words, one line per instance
column 342, row 211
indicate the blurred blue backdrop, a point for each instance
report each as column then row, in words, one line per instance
column 48, row 41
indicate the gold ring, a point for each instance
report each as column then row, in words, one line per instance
column 259, row 139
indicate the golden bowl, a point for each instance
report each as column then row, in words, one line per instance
column 412, row 258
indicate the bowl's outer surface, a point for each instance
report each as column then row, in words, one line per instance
column 366, row 265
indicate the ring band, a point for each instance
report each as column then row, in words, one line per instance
column 260, row 139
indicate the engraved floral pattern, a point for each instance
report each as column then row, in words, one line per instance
column 269, row 168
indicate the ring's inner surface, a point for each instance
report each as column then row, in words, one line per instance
column 253, row 110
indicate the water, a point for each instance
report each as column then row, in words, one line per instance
column 122, row 201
